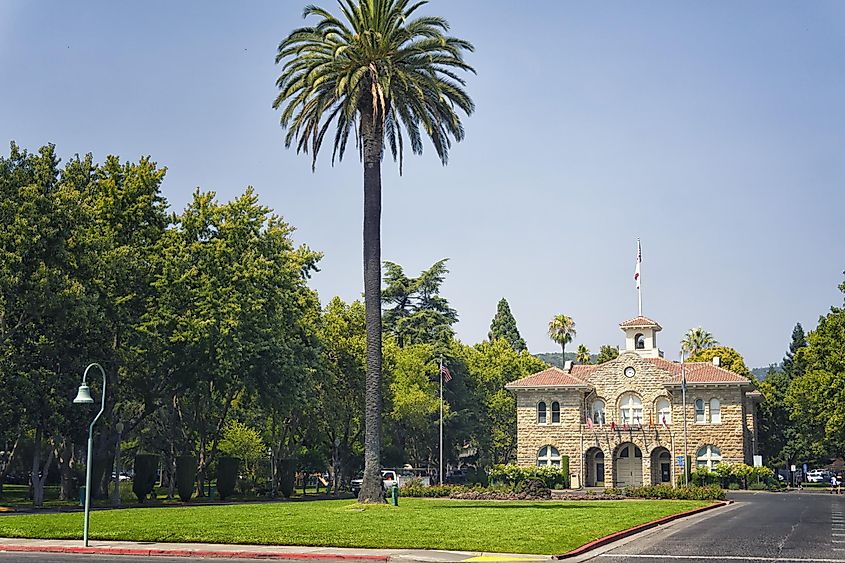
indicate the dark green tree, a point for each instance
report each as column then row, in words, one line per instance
column 384, row 74
column 504, row 326
column 799, row 340
column 607, row 353
column 415, row 311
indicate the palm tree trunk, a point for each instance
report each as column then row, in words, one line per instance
column 372, row 137
column 562, row 355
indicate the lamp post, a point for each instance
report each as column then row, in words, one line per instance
column 684, row 401
column 83, row 397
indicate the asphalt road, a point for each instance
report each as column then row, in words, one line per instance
column 762, row 527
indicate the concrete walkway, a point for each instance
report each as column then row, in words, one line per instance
column 296, row 553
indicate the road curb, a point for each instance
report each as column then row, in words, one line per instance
column 637, row 529
column 218, row 554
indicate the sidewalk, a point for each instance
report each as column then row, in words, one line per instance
column 226, row 551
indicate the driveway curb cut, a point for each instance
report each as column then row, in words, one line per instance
column 637, row 529
column 219, row 554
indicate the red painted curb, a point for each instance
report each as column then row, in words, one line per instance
column 191, row 553
column 636, row 529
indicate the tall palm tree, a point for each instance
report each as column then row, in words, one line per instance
column 387, row 77
column 697, row 339
column 562, row 331
column 583, row 354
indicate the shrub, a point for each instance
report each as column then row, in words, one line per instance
column 476, row 476
column 734, row 486
column 512, row 475
column 694, row 492
column 146, row 466
column 755, row 486
column 186, row 474
column 534, row 489
column 417, row 489
column 227, row 475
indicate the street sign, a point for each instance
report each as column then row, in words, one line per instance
column 792, row 467
column 758, row 461
column 680, row 461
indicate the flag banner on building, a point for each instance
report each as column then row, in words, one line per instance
column 445, row 373
column 639, row 259
column 664, row 421
column 613, row 425
column 589, row 422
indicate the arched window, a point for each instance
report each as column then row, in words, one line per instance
column 639, row 341
column 708, row 456
column 541, row 412
column 715, row 411
column 598, row 412
column 664, row 412
column 699, row 410
column 631, row 409
column 548, row 455
column 555, row 413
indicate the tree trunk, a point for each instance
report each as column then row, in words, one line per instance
column 10, row 459
column 39, row 473
column 65, row 460
column 372, row 134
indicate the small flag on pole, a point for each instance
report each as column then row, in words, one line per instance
column 445, row 373
column 664, row 421
column 613, row 425
column 589, row 422
column 639, row 259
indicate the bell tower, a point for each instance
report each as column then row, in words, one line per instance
column 641, row 336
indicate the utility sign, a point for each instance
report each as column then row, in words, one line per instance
column 680, row 461
column 758, row 461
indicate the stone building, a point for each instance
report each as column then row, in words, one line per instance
column 621, row 422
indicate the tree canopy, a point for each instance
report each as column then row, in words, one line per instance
column 503, row 326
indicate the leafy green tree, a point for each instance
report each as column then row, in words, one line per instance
column 607, row 353
column 384, row 74
column 816, row 397
column 583, row 354
column 562, row 331
column 799, row 340
column 504, row 326
column 417, row 313
column 243, row 442
column 729, row 359
column 697, row 339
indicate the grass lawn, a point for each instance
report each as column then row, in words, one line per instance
column 516, row 527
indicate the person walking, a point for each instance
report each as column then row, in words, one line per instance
column 834, row 484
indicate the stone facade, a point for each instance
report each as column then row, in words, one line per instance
column 635, row 446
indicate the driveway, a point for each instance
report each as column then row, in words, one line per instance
column 758, row 527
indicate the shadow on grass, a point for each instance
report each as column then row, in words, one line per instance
column 510, row 505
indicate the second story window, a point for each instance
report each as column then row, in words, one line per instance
column 699, row 411
column 715, row 411
column 664, row 412
column 555, row 413
column 598, row 412
column 631, row 409
column 541, row 412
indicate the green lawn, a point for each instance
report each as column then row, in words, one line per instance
column 516, row 527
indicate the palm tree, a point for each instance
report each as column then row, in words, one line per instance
column 562, row 331
column 697, row 339
column 583, row 354
column 386, row 77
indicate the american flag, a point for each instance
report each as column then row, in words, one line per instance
column 445, row 373
column 639, row 259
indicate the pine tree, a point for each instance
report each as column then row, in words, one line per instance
column 504, row 326
column 799, row 340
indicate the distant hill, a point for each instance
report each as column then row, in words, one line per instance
column 553, row 358
column 760, row 373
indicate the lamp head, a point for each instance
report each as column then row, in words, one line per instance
column 83, row 396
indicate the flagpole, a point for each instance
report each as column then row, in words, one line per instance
column 639, row 278
column 684, row 401
column 440, row 375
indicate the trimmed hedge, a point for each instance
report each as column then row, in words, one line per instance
column 146, row 469
column 667, row 492
column 186, row 476
column 553, row 477
column 287, row 476
column 227, row 475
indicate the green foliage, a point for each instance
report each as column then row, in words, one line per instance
column 607, row 353
column 416, row 489
column 244, row 443
column 728, row 358
column 146, row 470
column 513, row 475
column 583, row 354
column 562, row 331
column 227, row 475
column 696, row 340
column 503, row 326
column 667, row 492
column 415, row 312
column 186, row 474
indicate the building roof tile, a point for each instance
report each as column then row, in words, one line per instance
column 554, row 377
column 698, row 372
column 640, row 321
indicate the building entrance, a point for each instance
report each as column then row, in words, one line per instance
column 628, row 466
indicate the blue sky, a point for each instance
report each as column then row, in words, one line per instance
column 713, row 131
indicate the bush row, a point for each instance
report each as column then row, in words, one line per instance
column 512, row 475
column 694, row 492
column 733, row 476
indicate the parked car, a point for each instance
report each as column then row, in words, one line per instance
column 456, row 477
column 388, row 477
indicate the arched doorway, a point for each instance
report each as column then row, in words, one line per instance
column 594, row 458
column 661, row 466
column 628, row 466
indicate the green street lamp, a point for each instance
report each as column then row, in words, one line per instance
column 83, row 397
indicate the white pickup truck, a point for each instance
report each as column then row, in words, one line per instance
column 390, row 476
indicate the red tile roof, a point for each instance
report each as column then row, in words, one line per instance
column 697, row 372
column 640, row 321
column 553, row 377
